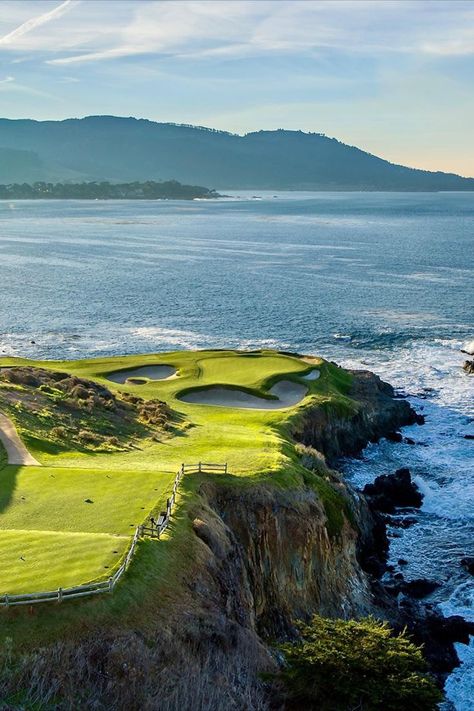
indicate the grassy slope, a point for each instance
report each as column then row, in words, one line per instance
column 126, row 486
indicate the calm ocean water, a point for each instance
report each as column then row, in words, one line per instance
column 382, row 281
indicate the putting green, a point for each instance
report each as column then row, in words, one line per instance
column 70, row 521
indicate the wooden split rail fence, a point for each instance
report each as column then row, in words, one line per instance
column 164, row 517
column 107, row 586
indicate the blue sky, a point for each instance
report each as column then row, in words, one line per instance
column 395, row 77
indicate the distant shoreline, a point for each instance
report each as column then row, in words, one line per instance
column 149, row 190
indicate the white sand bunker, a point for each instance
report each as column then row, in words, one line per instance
column 137, row 375
column 287, row 392
column 314, row 375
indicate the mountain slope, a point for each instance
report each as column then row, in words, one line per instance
column 128, row 149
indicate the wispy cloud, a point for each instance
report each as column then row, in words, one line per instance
column 35, row 22
column 105, row 31
column 9, row 84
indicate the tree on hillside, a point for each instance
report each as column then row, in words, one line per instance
column 347, row 665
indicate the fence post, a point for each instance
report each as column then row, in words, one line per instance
column 60, row 594
column 6, row 600
column 111, row 584
column 199, row 467
column 225, row 469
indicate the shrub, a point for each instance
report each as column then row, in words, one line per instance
column 20, row 376
column 343, row 665
column 88, row 437
column 59, row 432
column 113, row 441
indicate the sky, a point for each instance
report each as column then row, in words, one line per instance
column 394, row 77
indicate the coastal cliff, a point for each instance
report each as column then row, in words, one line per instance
column 377, row 413
column 263, row 556
column 290, row 562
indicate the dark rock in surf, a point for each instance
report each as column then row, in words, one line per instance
column 420, row 588
column 469, row 367
column 405, row 522
column 390, row 491
column 437, row 634
column 468, row 564
column 451, row 629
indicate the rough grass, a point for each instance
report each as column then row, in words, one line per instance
column 70, row 413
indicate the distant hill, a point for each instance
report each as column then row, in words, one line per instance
column 15, row 165
column 128, row 149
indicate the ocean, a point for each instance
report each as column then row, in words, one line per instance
column 382, row 281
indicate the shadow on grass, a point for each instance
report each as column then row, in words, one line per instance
column 7, row 484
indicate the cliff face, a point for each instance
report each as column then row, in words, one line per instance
column 289, row 566
column 378, row 414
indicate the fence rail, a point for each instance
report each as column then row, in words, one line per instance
column 204, row 468
column 107, row 586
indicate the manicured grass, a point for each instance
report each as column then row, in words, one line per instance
column 82, row 500
column 90, row 500
column 69, row 559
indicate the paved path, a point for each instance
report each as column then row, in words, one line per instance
column 17, row 453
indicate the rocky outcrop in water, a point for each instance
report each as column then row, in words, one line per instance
column 468, row 564
column 390, row 491
column 469, row 367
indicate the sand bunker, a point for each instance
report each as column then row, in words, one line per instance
column 152, row 372
column 314, row 375
column 287, row 392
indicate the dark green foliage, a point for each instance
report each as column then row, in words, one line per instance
column 170, row 190
column 344, row 665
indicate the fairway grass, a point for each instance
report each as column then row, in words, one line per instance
column 69, row 558
column 70, row 521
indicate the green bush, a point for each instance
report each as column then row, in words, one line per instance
column 342, row 666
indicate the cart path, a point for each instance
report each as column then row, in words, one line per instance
column 17, row 453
